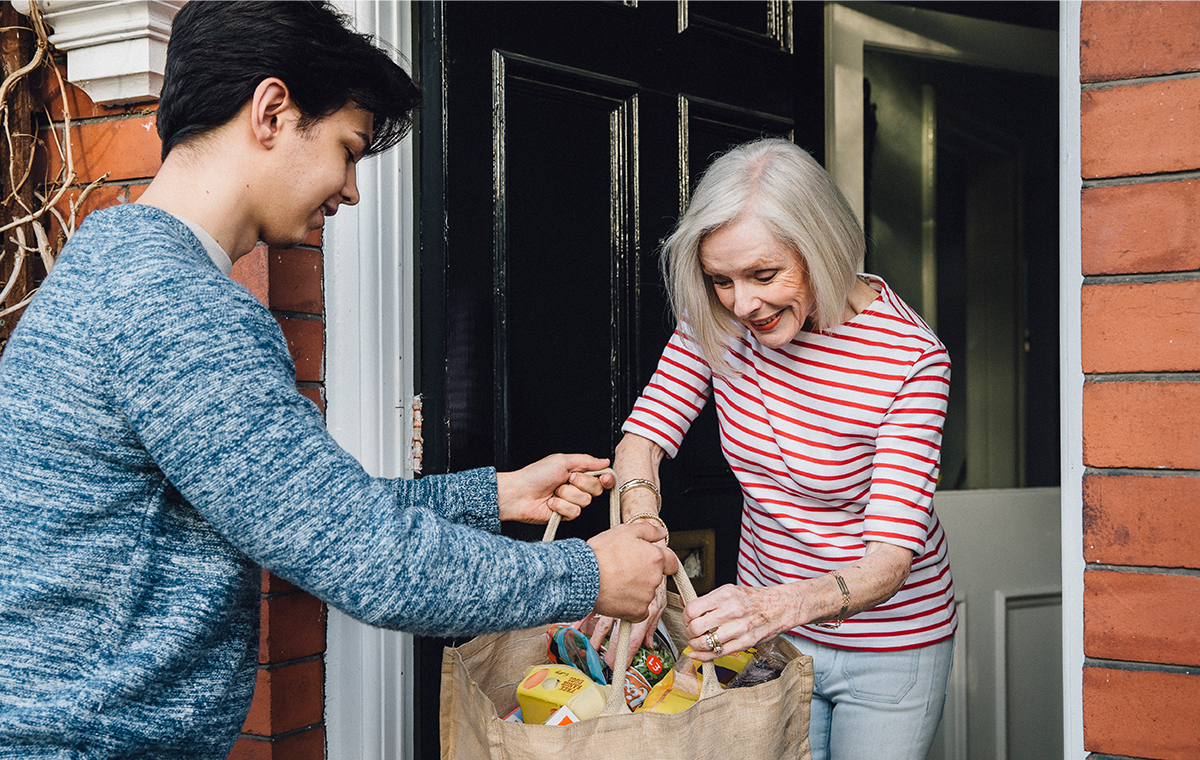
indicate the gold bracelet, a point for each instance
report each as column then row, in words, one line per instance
column 845, row 603
column 655, row 518
column 641, row 483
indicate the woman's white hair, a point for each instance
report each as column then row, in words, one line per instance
column 780, row 184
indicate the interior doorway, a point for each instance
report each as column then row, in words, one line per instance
column 942, row 130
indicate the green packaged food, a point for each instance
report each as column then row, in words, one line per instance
column 654, row 663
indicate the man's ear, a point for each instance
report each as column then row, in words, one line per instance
column 270, row 104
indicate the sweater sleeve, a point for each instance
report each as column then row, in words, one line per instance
column 907, row 450
column 674, row 397
column 203, row 376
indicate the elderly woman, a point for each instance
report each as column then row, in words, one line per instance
column 831, row 396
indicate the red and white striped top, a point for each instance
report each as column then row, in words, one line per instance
column 835, row 440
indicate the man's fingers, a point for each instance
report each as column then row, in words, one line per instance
column 567, row 509
column 585, row 483
column 670, row 562
column 649, row 532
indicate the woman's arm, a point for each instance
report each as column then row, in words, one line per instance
column 636, row 458
column 742, row 616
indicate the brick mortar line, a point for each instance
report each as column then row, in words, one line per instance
column 1141, row 667
column 273, row 666
column 1139, row 472
column 284, row 735
column 1141, row 279
column 317, row 248
column 78, row 122
column 1140, row 179
column 310, row 384
column 297, row 315
column 1112, row 83
column 1143, row 377
column 1143, row 569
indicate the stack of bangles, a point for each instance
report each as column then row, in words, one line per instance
column 642, row 516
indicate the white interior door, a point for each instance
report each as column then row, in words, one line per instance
column 1005, row 694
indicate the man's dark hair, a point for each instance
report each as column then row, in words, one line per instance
column 220, row 51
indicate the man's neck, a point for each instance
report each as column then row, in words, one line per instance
column 210, row 192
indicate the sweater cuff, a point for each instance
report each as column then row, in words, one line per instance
column 473, row 496
column 584, row 584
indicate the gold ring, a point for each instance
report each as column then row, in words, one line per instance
column 713, row 642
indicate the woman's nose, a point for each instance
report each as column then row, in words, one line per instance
column 744, row 302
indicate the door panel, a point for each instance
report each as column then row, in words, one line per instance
column 565, row 216
column 1004, row 699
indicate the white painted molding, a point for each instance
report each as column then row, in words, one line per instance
column 116, row 50
column 369, row 255
column 1070, row 293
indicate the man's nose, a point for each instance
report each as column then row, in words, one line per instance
column 350, row 189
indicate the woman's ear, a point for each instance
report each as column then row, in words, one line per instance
column 270, row 104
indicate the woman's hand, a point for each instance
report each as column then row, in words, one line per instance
column 738, row 617
column 742, row 616
column 558, row 483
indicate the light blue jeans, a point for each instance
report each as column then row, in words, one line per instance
column 877, row 705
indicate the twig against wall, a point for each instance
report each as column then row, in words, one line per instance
column 27, row 202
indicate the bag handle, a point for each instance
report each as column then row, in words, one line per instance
column 616, row 705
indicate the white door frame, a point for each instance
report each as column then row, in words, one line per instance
column 1070, row 291
column 851, row 26
column 370, row 328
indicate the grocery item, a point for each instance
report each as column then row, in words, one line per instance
column 562, row 717
column 767, row 665
column 546, row 688
column 728, row 666
column 653, row 663
column 636, row 689
column 680, row 688
column 566, row 645
column 666, row 697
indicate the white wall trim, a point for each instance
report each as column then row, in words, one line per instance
column 369, row 256
column 116, row 50
column 1070, row 280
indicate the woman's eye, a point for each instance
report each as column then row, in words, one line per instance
column 720, row 283
column 766, row 276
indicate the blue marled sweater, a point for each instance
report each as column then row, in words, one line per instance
column 154, row 452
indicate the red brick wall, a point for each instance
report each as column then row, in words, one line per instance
column 1139, row 154
column 286, row 719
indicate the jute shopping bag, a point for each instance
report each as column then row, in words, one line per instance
column 479, row 685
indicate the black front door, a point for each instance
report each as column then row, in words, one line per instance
column 558, row 142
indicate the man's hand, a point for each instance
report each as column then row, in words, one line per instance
column 598, row 627
column 631, row 569
column 558, row 483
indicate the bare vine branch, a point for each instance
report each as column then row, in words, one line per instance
column 27, row 220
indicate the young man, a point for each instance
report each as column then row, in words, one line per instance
column 154, row 451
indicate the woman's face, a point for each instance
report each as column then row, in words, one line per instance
column 759, row 280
